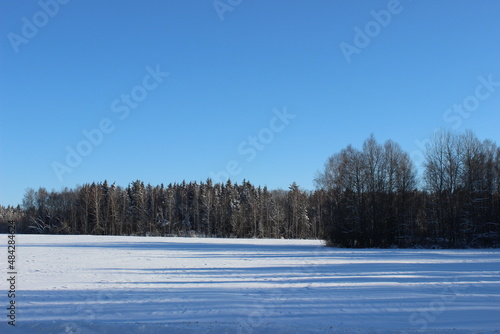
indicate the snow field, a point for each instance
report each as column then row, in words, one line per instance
column 112, row 284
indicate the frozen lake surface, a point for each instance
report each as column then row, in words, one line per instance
column 119, row 285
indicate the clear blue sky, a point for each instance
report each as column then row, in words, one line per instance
column 69, row 69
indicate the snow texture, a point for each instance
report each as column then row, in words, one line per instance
column 120, row 285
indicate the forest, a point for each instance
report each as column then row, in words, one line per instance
column 368, row 197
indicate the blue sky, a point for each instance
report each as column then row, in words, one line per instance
column 235, row 68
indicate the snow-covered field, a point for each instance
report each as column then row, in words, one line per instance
column 119, row 285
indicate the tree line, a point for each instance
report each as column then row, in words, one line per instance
column 179, row 209
column 368, row 197
column 374, row 199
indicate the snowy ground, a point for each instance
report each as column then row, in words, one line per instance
column 119, row 285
